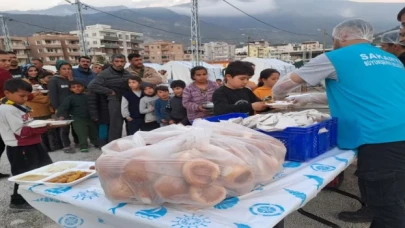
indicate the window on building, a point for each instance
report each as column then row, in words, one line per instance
column 94, row 34
column 38, row 42
column 151, row 47
column 153, row 57
column 40, row 51
column 127, row 37
column 86, row 35
column 157, row 47
column 120, row 36
column 95, row 42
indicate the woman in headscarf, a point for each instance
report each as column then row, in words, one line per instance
column 40, row 106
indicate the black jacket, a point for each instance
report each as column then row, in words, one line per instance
column 176, row 111
column 228, row 100
column 58, row 90
column 98, row 108
column 75, row 105
column 110, row 80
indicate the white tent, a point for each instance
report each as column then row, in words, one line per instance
column 180, row 70
column 261, row 64
column 155, row 66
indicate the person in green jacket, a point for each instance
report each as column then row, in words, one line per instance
column 76, row 105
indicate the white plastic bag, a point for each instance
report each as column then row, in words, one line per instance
column 197, row 166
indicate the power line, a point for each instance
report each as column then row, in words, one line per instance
column 38, row 26
column 257, row 19
column 148, row 26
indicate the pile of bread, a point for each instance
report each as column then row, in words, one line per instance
column 197, row 166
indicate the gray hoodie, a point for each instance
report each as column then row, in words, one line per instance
column 58, row 90
column 146, row 106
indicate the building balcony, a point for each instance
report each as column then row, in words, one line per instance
column 137, row 48
column 75, row 53
column 136, row 41
column 19, row 47
column 22, row 56
column 113, row 38
column 110, row 45
column 52, row 54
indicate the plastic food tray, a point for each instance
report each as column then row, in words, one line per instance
column 46, row 171
column 302, row 143
column 91, row 173
column 43, row 123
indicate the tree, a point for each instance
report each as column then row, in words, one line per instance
column 100, row 59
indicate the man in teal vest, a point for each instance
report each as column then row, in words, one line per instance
column 365, row 89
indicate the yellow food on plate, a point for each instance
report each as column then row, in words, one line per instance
column 32, row 177
column 68, row 177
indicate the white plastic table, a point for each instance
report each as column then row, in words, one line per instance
column 85, row 206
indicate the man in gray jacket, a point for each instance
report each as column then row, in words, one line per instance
column 113, row 82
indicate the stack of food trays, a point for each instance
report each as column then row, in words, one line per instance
column 63, row 173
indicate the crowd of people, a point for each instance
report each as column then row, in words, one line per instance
column 102, row 99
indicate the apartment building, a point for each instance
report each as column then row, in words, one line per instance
column 219, row 51
column 102, row 40
column 51, row 47
column 20, row 47
column 258, row 49
column 163, row 51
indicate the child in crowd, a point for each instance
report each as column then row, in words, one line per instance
column 58, row 90
column 160, row 105
column 44, row 79
column 130, row 105
column 219, row 82
column 146, row 106
column 24, row 149
column 41, row 107
column 98, row 109
column 176, row 111
column 76, row 105
column 267, row 80
column 234, row 96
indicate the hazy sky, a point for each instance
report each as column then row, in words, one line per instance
column 44, row 4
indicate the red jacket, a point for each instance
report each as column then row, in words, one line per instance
column 4, row 76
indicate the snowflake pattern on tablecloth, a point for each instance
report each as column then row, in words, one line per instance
column 322, row 168
column 57, row 191
column 86, row 195
column 70, row 221
column 266, row 209
column 192, row 221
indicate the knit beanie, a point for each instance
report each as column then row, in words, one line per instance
column 59, row 64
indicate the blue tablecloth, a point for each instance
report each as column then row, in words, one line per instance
column 85, row 206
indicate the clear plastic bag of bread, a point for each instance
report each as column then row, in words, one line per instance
column 197, row 169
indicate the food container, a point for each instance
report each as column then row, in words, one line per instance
column 43, row 123
column 51, row 170
column 88, row 172
column 302, row 143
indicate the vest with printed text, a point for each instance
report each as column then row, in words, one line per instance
column 368, row 97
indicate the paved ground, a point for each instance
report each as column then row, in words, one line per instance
column 326, row 204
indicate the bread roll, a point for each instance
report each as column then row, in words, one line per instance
column 200, row 172
column 207, row 196
column 171, row 189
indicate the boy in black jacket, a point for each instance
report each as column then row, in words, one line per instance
column 176, row 111
column 234, row 96
column 76, row 105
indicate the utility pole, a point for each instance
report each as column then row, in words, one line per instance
column 248, row 54
column 324, row 40
column 195, row 34
column 6, row 34
column 80, row 26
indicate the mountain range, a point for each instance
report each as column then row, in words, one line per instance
column 218, row 20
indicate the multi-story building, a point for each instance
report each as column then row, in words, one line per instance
column 258, row 49
column 20, row 47
column 102, row 40
column 163, row 51
column 51, row 47
column 219, row 51
column 310, row 45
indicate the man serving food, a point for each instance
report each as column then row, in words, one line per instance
column 365, row 90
